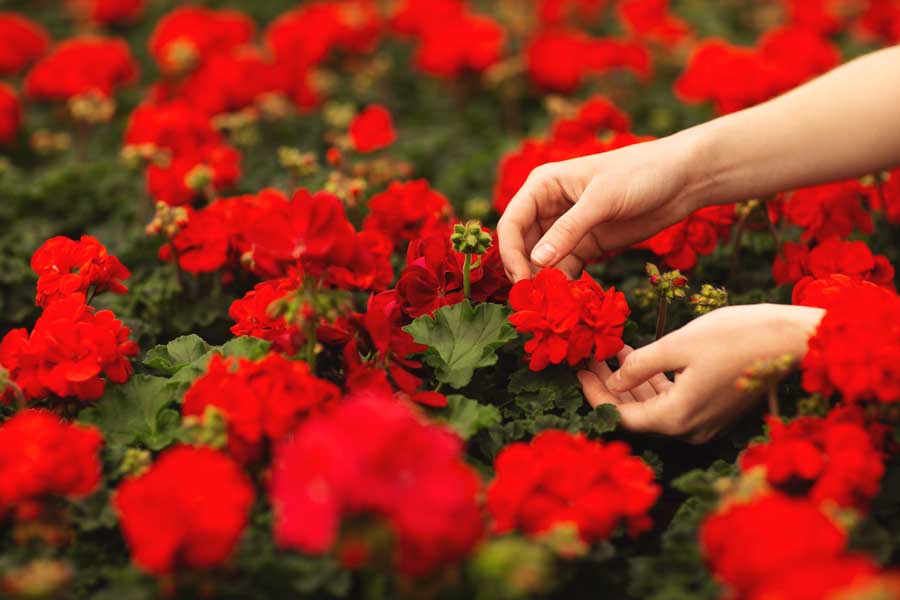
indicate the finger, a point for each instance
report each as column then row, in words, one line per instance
column 596, row 393
column 641, row 392
column 571, row 266
column 669, row 413
column 570, row 228
column 641, row 365
column 520, row 217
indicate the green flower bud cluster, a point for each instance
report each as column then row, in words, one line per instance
column 813, row 406
column 709, row 299
column 513, row 567
column 302, row 164
column 210, row 429
column 763, row 373
column 470, row 238
column 668, row 285
column 135, row 462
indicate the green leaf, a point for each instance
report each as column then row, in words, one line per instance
column 603, row 419
column 137, row 412
column 244, row 347
column 467, row 417
column 462, row 338
column 701, row 482
column 175, row 355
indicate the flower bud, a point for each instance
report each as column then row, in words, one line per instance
column 709, row 299
column 135, row 462
column 41, row 578
column 470, row 238
column 210, row 429
column 763, row 373
column 92, row 108
column 512, row 567
column 668, row 285
column 199, row 178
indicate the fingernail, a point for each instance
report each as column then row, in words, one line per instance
column 543, row 254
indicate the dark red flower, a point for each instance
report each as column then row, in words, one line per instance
column 560, row 478
column 41, row 455
column 68, row 352
column 372, row 129
column 188, row 510
column 10, row 114
column 568, row 320
column 261, row 400
column 82, row 65
column 65, row 267
column 409, row 210
column 374, row 457
column 698, row 235
column 21, row 42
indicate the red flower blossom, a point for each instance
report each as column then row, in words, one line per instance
column 262, row 399
column 560, row 478
column 747, row 544
column 375, row 457
column 65, row 267
column 69, row 350
column 252, row 316
column 415, row 17
column 82, row 65
column 188, row 35
column 409, row 210
column 41, row 455
column 831, row 460
column 468, row 43
column 832, row 210
column 188, row 510
column 653, row 20
column 833, row 256
column 568, row 320
column 886, row 197
column 174, row 126
column 815, row 580
column 21, row 42
column 171, row 183
column 10, row 114
column 108, row 12
column 856, row 348
column 679, row 245
column 372, row 129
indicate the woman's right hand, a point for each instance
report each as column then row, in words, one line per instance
column 569, row 212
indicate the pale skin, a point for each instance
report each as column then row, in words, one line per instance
column 844, row 124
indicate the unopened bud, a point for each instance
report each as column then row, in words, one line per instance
column 668, row 285
column 763, row 373
column 135, row 462
column 470, row 238
column 210, row 430
column 199, row 178
column 92, row 108
column 709, row 299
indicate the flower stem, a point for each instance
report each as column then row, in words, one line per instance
column 662, row 313
column 467, row 276
column 773, row 399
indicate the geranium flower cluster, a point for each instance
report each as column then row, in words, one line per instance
column 62, row 75
column 42, row 457
column 261, row 400
column 564, row 479
column 108, row 12
column 829, row 460
column 568, row 320
column 374, row 457
column 10, row 114
column 856, row 347
column 698, row 234
column 65, row 267
column 188, row 509
column 832, row 210
column 21, row 43
column 734, row 77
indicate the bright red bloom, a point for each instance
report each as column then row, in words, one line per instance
column 171, row 183
column 372, row 129
column 415, row 17
column 188, row 510
column 653, row 20
column 560, row 478
column 698, row 235
column 175, row 126
column 815, row 580
column 82, row 65
column 833, row 256
column 375, row 457
column 252, row 316
column 187, row 36
column 69, row 350
column 748, row 543
column 10, row 114
column 886, row 197
column 830, row 460
column 65, row 267
column 261, row 400
column 21, row 42
column 832, row 210
column 856, row 348
column 568, row 320
column 560, row 60
column 409, row 210
column 881, row 19
column 109, row 12
column 41, row 455
column 468, row 43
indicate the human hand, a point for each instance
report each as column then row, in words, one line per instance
column 569, row 212
column 708, row 356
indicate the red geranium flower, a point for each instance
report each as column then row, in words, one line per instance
column 108, row 12
column 560, row 478
column 65, row 267
column 41, row 455
column 261, row 399
column 409, row 210
column 188, row 510
column 188, row 35
column 372, row 129
column 679, row 245
column 252, row 316
column 82, row 65
column 21, row 42
column 10, row 114
column 653, row 19
column 832, row 210
column 833, row 256
column 374, row 457
column 568, row 320
column 818, row 579
column 468, row 43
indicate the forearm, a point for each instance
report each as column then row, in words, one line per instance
column 844, row 124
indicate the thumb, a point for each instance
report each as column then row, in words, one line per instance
column 560, row 240
column 642, row 364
